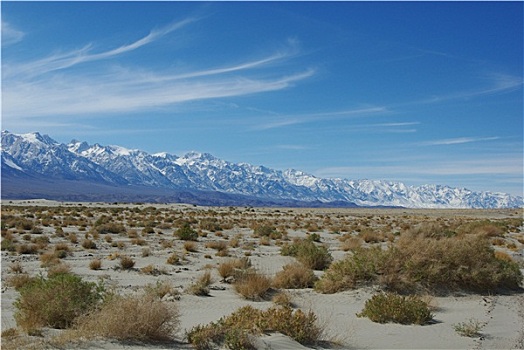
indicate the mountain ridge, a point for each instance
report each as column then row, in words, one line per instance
column 39, row 157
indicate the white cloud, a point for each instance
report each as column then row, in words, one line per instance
column 286, row 120
column 459, row 140
column 72, row 58
column 10, row 35
column 50, row 87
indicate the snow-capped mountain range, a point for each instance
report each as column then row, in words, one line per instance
column 35, row 164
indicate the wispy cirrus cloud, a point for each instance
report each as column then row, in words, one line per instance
column 458, row 140
column 274, row 122
column 71, row 58
column 10, row 35
column 50, row 86
column 497, row 83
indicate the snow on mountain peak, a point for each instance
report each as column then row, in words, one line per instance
column 36, row 137
column 37, row 154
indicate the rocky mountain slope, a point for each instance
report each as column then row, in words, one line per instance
column 35, row 160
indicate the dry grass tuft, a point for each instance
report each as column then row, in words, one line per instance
column 232, row 267
column 173, row 259
column 191, row 246
column 201, row 286
column 295, row 275
column 95, row 264
column 126, row 262
column 61, row 268
column 282, row 299
column 253, row 285
column 131, row 318
column 16, row 267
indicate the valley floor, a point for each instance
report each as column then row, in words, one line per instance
column 501, row 316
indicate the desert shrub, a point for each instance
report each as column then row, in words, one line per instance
column 308, row 253
column 88, row 244
column 8, row 245
column 252, row 285
column 60, row 268
column 147, row 230
column 110, row 227
column 48, row 259
column 356, row 269
column 72, row 238
column 266, row 231
column 62, row 247
column 482, row 227
column 201, row 286
column 9, row 333
column 217, row 245
column 186, row 233
column 173, row 259
column 430, row 230
column 232, row 267
column 294, row 275
column 314, row 237
column 16, row 267
column 131, row 318
column 27, row 249
column 390, row 307
column 95, row 264
column 414, row 263
column 126, row 262
column 371, row 236
column 54, row 302
column 264, row 240
column 349, row 242
column 470, row 328
column 19, row 280
column 462, row 263
column 138, row 241
column 234, row 331
column 161, row 289
column 190, row 246
column 235, row 241
column 210, row 224
column 283, row 299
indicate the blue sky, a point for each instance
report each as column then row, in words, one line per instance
column 417, row 92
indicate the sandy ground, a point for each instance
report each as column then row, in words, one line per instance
column 502, row 315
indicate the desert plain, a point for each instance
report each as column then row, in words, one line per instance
column 90, row 240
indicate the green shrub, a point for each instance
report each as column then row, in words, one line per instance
column 186, row 233
column 462, row 263
column 8, row 244
column 356, row 269
column 390, row 307
column 266, row 231
column 234, row 331
column 55, row 302
column 111, row 227
column 308, row 253
column 415, row 262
